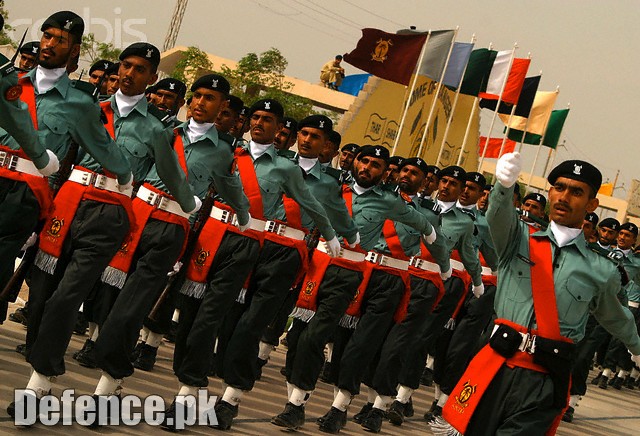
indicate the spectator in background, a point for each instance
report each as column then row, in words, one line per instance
column 332, row 73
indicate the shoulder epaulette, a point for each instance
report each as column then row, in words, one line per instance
column 85, row 87
column 287, row 154
column 229, row 139
column 165, row 118
column 540, row 222
column 333, row 172
column 468, row 212
column 7, row 68
column 615, row 256
column 429, row 204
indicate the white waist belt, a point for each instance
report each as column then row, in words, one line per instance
column 353, row 256
column 458, row 266
column 284, row 230
column 228, row 217
column 100, row 181
column 424, row 265
column 19, row 164
column 161, row 202
column 634, row 304
column 486, row 271
column 528, row 343
column 390, row 262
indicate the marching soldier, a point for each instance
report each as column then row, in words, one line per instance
column 549, row 281
column 169, row 95
column 228, row 116
column 608, row 233
column 347, row 154
column 534, row 204
column 589, row 227
column 97, row 72
column 29, row 55
column 393, row 170
column 433, row 180
column 286, row 137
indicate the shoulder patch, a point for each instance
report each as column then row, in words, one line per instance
column 85, row 87
column 165, row 118
column 333, row 172
column 287, row 154
column 469, row 213
column 615, row 256
column 229, row 139
column 429, row 204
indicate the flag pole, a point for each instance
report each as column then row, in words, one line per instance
column 408, row 96
column 437, row 93
column 453, row 108
column 540, row 145
column 495, row 113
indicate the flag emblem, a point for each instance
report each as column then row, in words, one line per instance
column 382, row 48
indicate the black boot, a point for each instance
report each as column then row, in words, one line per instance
column 629, row 383
column 568, row 415
column 362, row 414
column 225, row 413
column 373, row 421
column 603, row 382
column 292, row 417
column 85, row 355
column 22, row 349
column 136, row 352
column 427, row 377
column 617, row 383
column 334, row 421
column 408, row 408
column 81, row 325
column 169, row 422
column 396, row 413
column 19, row 316
column 147, row 358
column 261, row 363
column 434, row 413
column 596, row 379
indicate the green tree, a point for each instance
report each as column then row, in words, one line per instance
column 262, row 76
column 4, row 38
column 193, row 60
column 92, row 50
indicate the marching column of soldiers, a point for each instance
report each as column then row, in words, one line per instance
column 391, row 272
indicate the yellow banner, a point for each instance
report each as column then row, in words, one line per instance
column 375, row 117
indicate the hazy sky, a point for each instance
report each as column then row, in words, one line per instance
column 587, row 47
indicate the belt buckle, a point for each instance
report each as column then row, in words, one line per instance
column 99, row 181
column 88, row 178
column 3, row 158
column 8, row 160
column 528, row 344
column 416, row 262
column 271, row 226
column 227, row 217
column 152, row 198
column 374, row 257
column 281, row 229
column 161, row 202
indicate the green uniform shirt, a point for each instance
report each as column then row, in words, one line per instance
column 66, row 113
column 144, row 140
column 631, row 264
column 371, row 209
column 277, row 175
column 328, row 192
column 584, row 281
column 210, row 159
column 457, row 228
column 482, row 240
column 410, row 237
column 16, row 119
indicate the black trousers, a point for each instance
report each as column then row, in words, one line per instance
column 414, row 365
column 379, row 304
column 404, row 336
column 465, row 340
column 157, row 252
column 518, row 401
column 306, row 341
column 585, row 350
column 279, row 322
column 273, row 276
column 200, row 319
column 95, row 235
column 19, row 211
column 617, row 353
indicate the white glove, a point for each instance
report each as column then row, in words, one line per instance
column 52, row 167
column 333, row 246
column 176, row 268
column 478, row 291
column 508, row 169
column 354, row 243
column 446, row 275
column 243, row 227
column 32, row 240
column 198, row 205
column 431, row 237
column 126, row 186
column 636, row 359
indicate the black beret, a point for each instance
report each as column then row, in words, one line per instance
column 214, row 82
column 536, row 197
column 150, row 90
column 577, row 170
column 291, row 124
column 235, row 103
column 143, row 50
column 592, row 218
column 101, row 65
column 476, row 178
column 377, row 151
column 268, row 105
column 454, row 171
column 631, row 227
column 610, row 223
column 172, row 85
column 113, row 69
column 335, row 138
column 416, row 162
column 31, row 48
column 396, row 160
column 65, row 20
column 321, row 122
column 433, row 170
column 351, row 147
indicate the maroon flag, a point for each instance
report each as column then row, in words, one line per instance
column 387, row 55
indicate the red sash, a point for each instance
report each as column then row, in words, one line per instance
column 467, row 394
column 433, row 277
column 28, row 96
column 395, row 247
column 250, row 182
column 466, row 280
